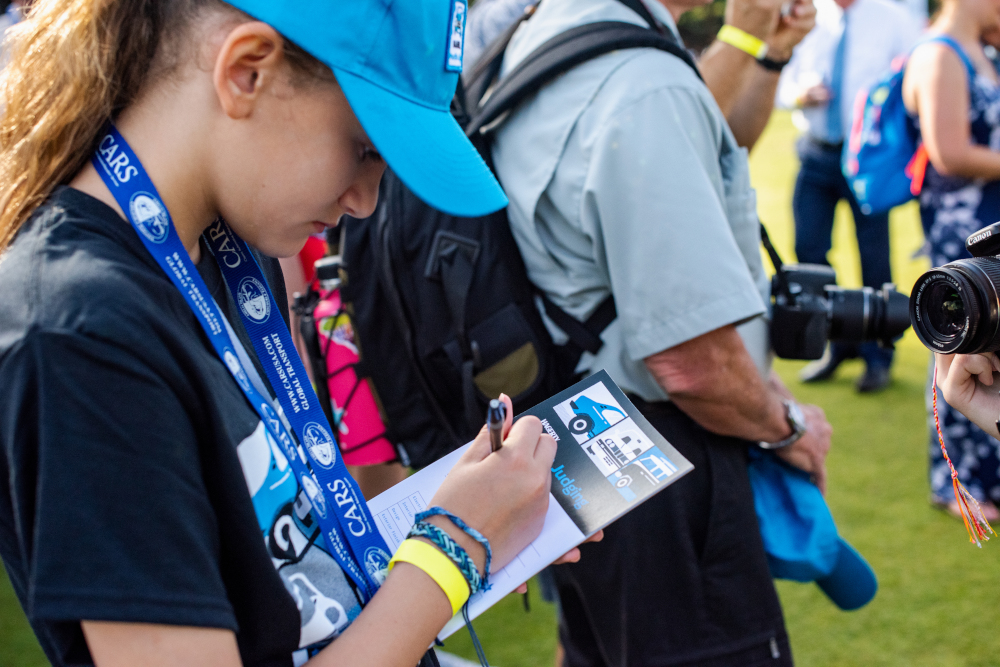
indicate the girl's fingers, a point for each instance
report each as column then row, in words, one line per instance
column 571, row 556
column 508, row 420
column 524, row 434
column 943, row 362
column 968, row 367
column 480, row 448
column 545, row 449
column 984, row 363
column 522, row 589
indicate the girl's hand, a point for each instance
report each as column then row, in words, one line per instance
column 504, row 495
column 571, row 556
column 967, row 383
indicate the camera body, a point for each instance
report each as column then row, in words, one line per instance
column 808, row 309
column 955, row 308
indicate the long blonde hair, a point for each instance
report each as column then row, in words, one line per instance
column 74, row 65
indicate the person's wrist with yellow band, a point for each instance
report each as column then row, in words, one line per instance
column 437, row 566
column 742, row 40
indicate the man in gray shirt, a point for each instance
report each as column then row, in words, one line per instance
column 624, row 179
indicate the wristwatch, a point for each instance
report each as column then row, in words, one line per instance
column 797, row 420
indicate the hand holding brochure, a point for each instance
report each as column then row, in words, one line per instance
column 609, row 460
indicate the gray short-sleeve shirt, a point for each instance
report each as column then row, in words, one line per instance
column 624, row 178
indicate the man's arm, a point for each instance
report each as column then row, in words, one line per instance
column 713, row 379
column 715, row 382
column 725, row 68
column 745, row 90
column 752, row 110
column 680, row 276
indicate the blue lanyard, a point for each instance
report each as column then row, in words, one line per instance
column 337, row 503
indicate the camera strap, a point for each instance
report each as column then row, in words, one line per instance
column 338, row 506
column 769, row 247
column 779, row 266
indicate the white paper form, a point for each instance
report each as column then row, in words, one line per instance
column 394, row 511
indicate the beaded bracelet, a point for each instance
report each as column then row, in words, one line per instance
column 467, row 529
column 452, row 550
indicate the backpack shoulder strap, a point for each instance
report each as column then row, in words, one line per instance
column 562, row 53
column 487, row 68
column 639, row 8
column 959, row 51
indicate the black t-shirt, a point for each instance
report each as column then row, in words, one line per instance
column 127, row 450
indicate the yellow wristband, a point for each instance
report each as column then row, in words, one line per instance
column 743, row 41
column 438, row 567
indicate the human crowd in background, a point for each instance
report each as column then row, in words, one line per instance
column 626, row 187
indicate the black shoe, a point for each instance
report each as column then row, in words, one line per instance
column 875, row 379
column 823, row 368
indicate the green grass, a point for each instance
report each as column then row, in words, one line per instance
column 937, row 601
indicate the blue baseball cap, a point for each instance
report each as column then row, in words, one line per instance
column 398, row 63
column 800, row 537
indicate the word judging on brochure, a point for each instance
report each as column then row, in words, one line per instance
column 569, row 488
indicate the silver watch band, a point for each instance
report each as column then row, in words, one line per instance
column 793, row 413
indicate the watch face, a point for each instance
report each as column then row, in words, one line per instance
column 796, row 417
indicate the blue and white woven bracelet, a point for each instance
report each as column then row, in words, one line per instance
column 452, row 550
column 467, row 529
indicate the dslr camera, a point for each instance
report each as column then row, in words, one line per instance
column 808, row 309
column 955, row 308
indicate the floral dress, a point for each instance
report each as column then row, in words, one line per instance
column 952, row 208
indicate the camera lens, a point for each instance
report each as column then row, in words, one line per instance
column 956, row 308
column 866, row 314
column 945, row 312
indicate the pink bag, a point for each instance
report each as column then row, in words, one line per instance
column 361, row 431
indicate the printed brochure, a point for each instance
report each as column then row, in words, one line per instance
column 609, row 460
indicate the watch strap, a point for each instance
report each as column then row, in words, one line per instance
column 793, row 413
column 772, row 65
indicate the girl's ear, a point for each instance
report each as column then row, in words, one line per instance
column 248, row 62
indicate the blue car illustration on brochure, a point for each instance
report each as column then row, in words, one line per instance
column 589, row 416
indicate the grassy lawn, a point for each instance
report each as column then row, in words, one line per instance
column 938, row 595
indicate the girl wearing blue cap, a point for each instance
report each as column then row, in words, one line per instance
column 148, row 381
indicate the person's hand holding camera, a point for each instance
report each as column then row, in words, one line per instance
column 968, row 384
column 809, row 452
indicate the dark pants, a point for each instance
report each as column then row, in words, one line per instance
column 682, row 579
column 818, row 188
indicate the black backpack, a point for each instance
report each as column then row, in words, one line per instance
column 443, row 310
